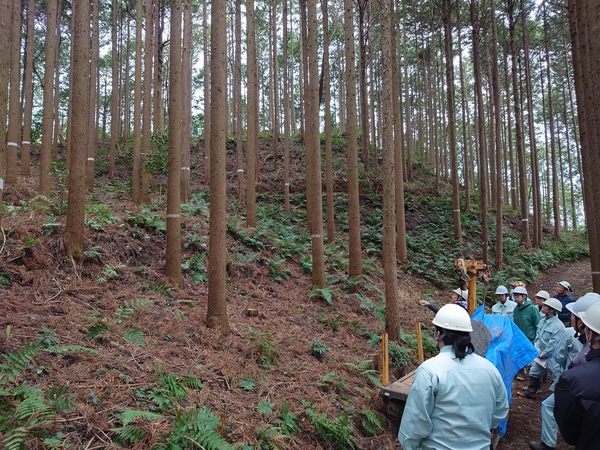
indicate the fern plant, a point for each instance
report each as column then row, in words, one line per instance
column 264, row 349
column 337, row 432
column 365, row 371
column 371, row 422
column 131, row 433
column 325, row 294
column 200, row 426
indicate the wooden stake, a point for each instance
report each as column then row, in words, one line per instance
column 420, row 354
column 385, row 376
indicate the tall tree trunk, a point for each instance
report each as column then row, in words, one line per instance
column 126, row 85
column 498, row 138
column 389, row 191
column 48, row 102
column 447, row 18
column 483, row 198
column 399, row 158
column 173, row 251
column 28, row 92
column 465, row 121
column 585, row 28
column 275, row 71
column 407, row 105
column 287, row 113
column 523, row 191
column 57, row 126
column 237, row 105
column 158, row 108
column 328, row 132
column 77, row 144
column 354, row 240
column 93, row 129
column 114, row 101
column 569, row 162
column 14, row 105
column 186, row 129
column 216, row 315
column 252, row 121
column 207, row 87
column 363, row 30
column 149, row 53
column 535, row 177
column 136, row 179
column 313, row 149
column 554, row 166
column 5, row 30
column 511, row 160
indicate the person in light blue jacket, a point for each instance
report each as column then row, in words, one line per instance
column 457, row 397
column 549, row 337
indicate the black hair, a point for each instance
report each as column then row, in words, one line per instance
column 459, row 340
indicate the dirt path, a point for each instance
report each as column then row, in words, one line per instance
column 577, row 273
column 524, row 420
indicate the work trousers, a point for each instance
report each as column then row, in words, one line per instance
column 549, row 426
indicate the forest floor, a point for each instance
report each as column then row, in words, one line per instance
column 119, row 303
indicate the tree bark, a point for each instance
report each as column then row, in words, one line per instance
column 173, row 251
column 186, row 129
column 388, row 174
column 93, row 129
column 5, row 30
column 585, row 28
column 28, row 92
column 497, row 172
column 114, row 102
column 354, row 239
column 328, row 132
column 216, row 316
column 77, row 144
column 48, row 102
column 313, row 149
column 252, row 120
column 14, row 105
column 149, row 53
column 483, row 198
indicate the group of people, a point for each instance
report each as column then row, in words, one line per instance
column 458, row 397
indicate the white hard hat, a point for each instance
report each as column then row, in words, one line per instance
column 464, row 294
column 501, row 290
column 566, row 285
column 453, row 317
column 583, row 303
column 543, row 294
column 591, row 317
column 554, row 303
column 520, row 290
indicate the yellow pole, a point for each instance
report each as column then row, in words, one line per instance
column 472, row 292
column 385, row 377
column 420, row 344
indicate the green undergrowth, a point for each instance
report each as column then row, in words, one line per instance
column 281, row 244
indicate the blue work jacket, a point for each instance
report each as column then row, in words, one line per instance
column 453, row 404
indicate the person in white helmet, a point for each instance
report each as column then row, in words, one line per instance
column 539, row 300
column 504, row 307
column 562, row 293
column 549, row 426
column 459, row 297
column 577, row 394
column 550, row 333
column 526, row 315
column 457, row 397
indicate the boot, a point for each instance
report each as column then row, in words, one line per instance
column 532, row 389
column 538, row 445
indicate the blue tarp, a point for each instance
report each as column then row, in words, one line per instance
column 509, row 349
